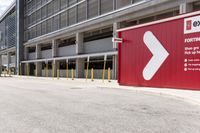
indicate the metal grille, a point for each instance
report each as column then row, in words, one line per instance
column 39, row 10
column 123, row 3
column 8, row 31
column 92, row 8
column 106, row 6
column 72, row 16
column 82, row 12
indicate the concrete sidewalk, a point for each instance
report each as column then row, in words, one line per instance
column 186, row 95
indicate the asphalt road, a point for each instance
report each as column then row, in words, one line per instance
column 51, row 106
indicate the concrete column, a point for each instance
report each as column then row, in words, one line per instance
column 116, row 26
column 38, row 56
column 54, row 48
column 185, row 7
column 79, row 43
column 115, row 68
column 25, row 53
column 20, row 33
column 8, row 60
column 55, row 64
column 38, row 51
column 80, row 68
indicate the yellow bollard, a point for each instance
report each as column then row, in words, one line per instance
column 9, row 72
column 86, row 76
column 20, row 70
column 104, row 70
column 47, row 70
column 92, row 74
column 36, row 71
column 4, row 72
column 53, row 69
column 67, row 71
column 27, row 70
column 109, row 75
column 58, row 74
column 72, row 74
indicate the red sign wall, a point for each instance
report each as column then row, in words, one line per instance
column 162, row 54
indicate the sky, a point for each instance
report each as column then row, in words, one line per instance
column 4, row 5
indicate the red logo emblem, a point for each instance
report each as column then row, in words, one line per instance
column 189, row 25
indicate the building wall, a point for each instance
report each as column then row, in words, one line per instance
column 45, row 16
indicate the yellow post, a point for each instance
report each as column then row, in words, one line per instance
column 72, row 74
column 27, row 70
column 104, row 70
column 47, row 70
column 36, row 70
column 109, row 75
column 53, row 73
column 92, row 74
column 9, row 72
column 20, row 69
column 67, row 71
column 86, row 76
column 58, row 73
column 4, row 72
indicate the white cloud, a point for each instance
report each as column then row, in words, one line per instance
column 4, row 5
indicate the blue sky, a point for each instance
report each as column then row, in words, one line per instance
column 4, row 4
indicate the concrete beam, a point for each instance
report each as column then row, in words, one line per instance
column 185, row 7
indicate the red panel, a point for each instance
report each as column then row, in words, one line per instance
column 134, row 56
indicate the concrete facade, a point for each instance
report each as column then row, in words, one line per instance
column 80, row 32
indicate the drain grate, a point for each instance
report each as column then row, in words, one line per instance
column 76, row 88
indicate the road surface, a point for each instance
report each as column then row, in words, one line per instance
column 51, row 106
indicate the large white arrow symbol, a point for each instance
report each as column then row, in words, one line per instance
column 159, row 55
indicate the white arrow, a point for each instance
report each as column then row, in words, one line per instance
column 160, row 54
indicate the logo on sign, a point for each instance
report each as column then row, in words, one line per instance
column 189, row 25
column 192, row 25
